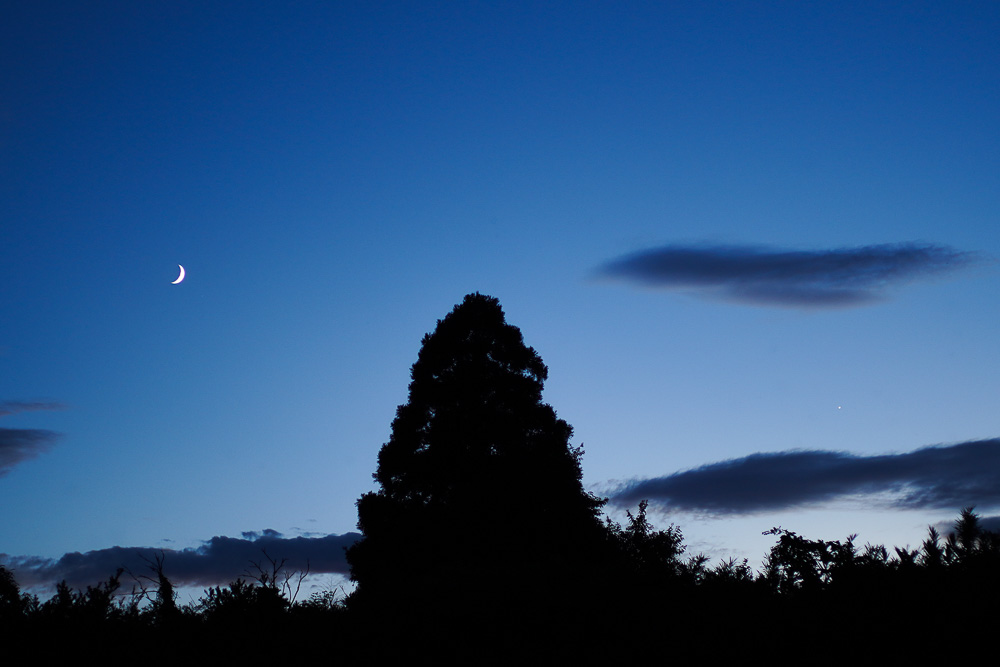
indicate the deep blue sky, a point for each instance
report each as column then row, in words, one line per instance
column 336, row 176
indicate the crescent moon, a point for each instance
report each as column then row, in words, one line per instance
column 180, row 277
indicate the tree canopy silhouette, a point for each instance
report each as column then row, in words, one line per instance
column 480, row 488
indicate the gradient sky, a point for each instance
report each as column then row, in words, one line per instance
column 335, row 177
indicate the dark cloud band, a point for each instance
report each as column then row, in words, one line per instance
column 218, row 561
column 941, row 477
column 760, row 276
column 20, row 444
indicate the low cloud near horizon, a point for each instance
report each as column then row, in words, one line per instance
column 21, row 444
column 761, row 276
column 937, row 477
column 218, row 561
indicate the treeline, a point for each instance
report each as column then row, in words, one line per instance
column 832, row 598
column 257, row 616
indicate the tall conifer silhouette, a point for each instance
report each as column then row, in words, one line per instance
column 481, row 492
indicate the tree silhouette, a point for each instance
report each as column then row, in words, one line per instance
column 652, row 555
column 13, row 604
column 481, row 496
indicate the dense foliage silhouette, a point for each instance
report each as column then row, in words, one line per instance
column 813, row 601
column 481, row 499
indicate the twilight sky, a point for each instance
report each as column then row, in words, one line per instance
column 755, row 244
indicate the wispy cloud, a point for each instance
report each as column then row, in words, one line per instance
column 792, row 278
column 20, row 444
column 218, row 561
column 941, row 477
column 13, row 407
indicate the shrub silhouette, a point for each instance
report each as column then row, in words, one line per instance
column 242, row 602
column 651, row 556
